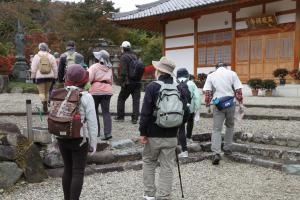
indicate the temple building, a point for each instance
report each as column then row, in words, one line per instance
column 254, row 37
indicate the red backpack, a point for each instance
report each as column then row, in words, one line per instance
column 64, row 118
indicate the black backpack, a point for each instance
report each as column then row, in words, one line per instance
column 186, row 90
column 136, row 69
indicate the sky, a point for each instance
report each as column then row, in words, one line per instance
column 124, row 5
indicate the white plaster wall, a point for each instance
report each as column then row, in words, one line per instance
column 206, row 70
column 182, row 58
column 214, row 21
column 241, row 25
column 249, row 11
column 181, row 41
column 286, row 18
column 273, row 7
column 181, row 26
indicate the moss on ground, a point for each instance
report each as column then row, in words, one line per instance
column 26, row 87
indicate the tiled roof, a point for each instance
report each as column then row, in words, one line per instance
column 162, row 7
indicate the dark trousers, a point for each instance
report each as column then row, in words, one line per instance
column 104, row 101
column 190, row 126
column 189, row 129
column 133, row 89
column 74, row 157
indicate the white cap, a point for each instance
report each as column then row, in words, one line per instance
column 126, row 44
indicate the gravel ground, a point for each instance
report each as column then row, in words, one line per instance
column 125, row 129
column 15, row 102
column 266, row 111
column 201, row 181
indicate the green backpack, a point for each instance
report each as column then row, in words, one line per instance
column 169, row 107
column 70, row 58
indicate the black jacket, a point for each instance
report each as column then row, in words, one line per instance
column 125, row 62
column 147, row 120
column 62, row 68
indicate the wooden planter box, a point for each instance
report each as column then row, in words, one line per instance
column 254, row 92
column 269, row 93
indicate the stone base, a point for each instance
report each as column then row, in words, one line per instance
column 40, row 135
column 4, row 80
column 20, row 71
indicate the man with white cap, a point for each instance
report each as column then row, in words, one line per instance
column 159, row 142
column 128, row 86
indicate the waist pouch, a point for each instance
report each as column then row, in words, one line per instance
column 225, row 102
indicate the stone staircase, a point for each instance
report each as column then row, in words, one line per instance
column 268, row 151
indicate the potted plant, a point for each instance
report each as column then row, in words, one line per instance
column 295, row 74
column 281, row 73
column 201, row 80
column 269, row 85
column 255, row 84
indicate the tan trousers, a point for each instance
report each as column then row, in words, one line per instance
column 43, row 89
column 162, row 150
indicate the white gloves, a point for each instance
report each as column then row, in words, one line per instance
column 197, row 116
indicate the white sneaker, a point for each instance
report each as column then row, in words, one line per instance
column 184, row 154
column 148, row 198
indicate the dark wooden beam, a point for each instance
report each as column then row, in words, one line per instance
column 163, row 34
column 195, row 46
column 264, row 8
column 177, row 48
column 297, row 36
column 233, row 41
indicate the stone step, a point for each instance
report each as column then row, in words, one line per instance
column 284, row 154
column 262, row 138
column 204, row 115
column 255, row 160
column 129, row 165
column 267, row 138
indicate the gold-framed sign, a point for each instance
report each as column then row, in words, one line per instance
column 261, row 21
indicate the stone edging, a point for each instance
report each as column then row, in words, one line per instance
column 255, row 138
column 204, row 115
column 125, row 166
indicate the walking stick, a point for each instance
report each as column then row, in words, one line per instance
column 182, row 196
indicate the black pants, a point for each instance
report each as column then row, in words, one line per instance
column 74, row 157
column 189, row 129
column 104, row 101
column 133, row 89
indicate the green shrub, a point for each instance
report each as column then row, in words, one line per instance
column 255, row 83
column 269, row 84
column 152, row 50
column 26, row 87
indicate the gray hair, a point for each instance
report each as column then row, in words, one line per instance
column 43, row 47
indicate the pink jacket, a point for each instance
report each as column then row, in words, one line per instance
column 100, row 78
column 35, row 72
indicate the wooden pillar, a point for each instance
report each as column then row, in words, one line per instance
column 163, row 35
column 297, row 37
column 264, row 8
column 195, row 46
column 233, row 41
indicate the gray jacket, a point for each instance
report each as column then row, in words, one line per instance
column 88, row 113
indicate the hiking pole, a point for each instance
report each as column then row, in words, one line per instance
column 182, row 196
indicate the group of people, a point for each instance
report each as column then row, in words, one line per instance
column 163, row 123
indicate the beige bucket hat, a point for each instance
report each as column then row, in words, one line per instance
column 164, row 65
